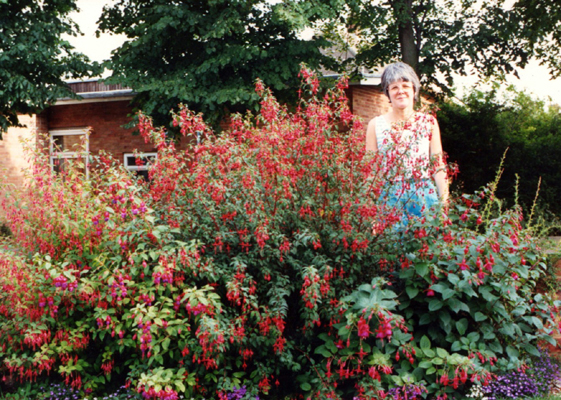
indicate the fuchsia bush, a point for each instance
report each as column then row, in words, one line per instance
column 251, row 260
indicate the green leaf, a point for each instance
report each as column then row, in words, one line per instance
column 430, row 353
column 435, row 304
column 537, row 323
column 425, row 319
column 445, row 320
column 454, row 305
column 422, row 269
column 442, row 353
column 456, row 346
column 305, row 386
column 439, row 287
column 487, row 295
column 437, row 361
column 496, row 347
column 425, row 343
column 412, row 291
column 512, row 352
column 479, row 316
column 453, row 279
column 474, row 337
column 462, row 325
column 507, row 329
column 448, row 293
column 531, row 349
column 322, row 350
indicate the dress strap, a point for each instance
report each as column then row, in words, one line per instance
column 382, row 127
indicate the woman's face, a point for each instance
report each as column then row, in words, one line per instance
column 402, row 94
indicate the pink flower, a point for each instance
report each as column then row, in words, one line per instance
column 363, row 328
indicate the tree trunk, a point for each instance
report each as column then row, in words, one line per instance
column 403, row 12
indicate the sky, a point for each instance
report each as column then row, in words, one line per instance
column 534, row 78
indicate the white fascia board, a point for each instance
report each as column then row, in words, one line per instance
column 98, row 97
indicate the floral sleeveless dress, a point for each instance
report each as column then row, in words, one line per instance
column 409, row 190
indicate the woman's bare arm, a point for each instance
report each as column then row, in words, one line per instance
column 440, row 178
column 371, row 143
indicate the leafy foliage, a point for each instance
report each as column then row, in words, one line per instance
column 207, row 54
column 442, row 38
column 542, row 31
column 485, row 125
column 34, row 58
column 250, row 262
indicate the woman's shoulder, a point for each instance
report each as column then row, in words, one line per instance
column 380, row 122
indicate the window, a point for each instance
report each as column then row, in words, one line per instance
column 139, row 163
column 67, row 144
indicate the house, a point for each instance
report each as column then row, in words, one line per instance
column 96, row 121
column 103, row 111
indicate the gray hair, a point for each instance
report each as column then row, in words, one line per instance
column 400, row 71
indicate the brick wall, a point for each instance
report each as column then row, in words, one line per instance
column 12, row 157
column 106, row 120
column 368, row 102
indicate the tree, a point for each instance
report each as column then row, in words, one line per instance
column 208, row 54
column 437, row 38
column 485, row 124
column 34, row 57
column 540, row 19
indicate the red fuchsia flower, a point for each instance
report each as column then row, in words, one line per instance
column 463, row 265
column 279, row 345
column 430, row 292
column 384, row 328
column 374, row 374
column 363, row 328
column 264, row 385
column 60, row 282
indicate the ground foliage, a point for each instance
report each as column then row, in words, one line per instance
column 251, row 261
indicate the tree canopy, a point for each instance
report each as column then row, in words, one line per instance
column 541, row 20
column 34, row 57
column 208, row 54
column 437, row 38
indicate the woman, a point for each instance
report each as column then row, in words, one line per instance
column 409, row 141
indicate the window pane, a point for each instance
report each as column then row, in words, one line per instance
column 67, row 143
column 143, row 175
column 58, row 164
column 64, row 164
column 139, row 162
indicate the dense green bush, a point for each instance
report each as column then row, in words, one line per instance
column 251, row 260
column 477, row 131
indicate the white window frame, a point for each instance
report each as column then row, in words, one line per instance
column 135, row 167
column 53, row 155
